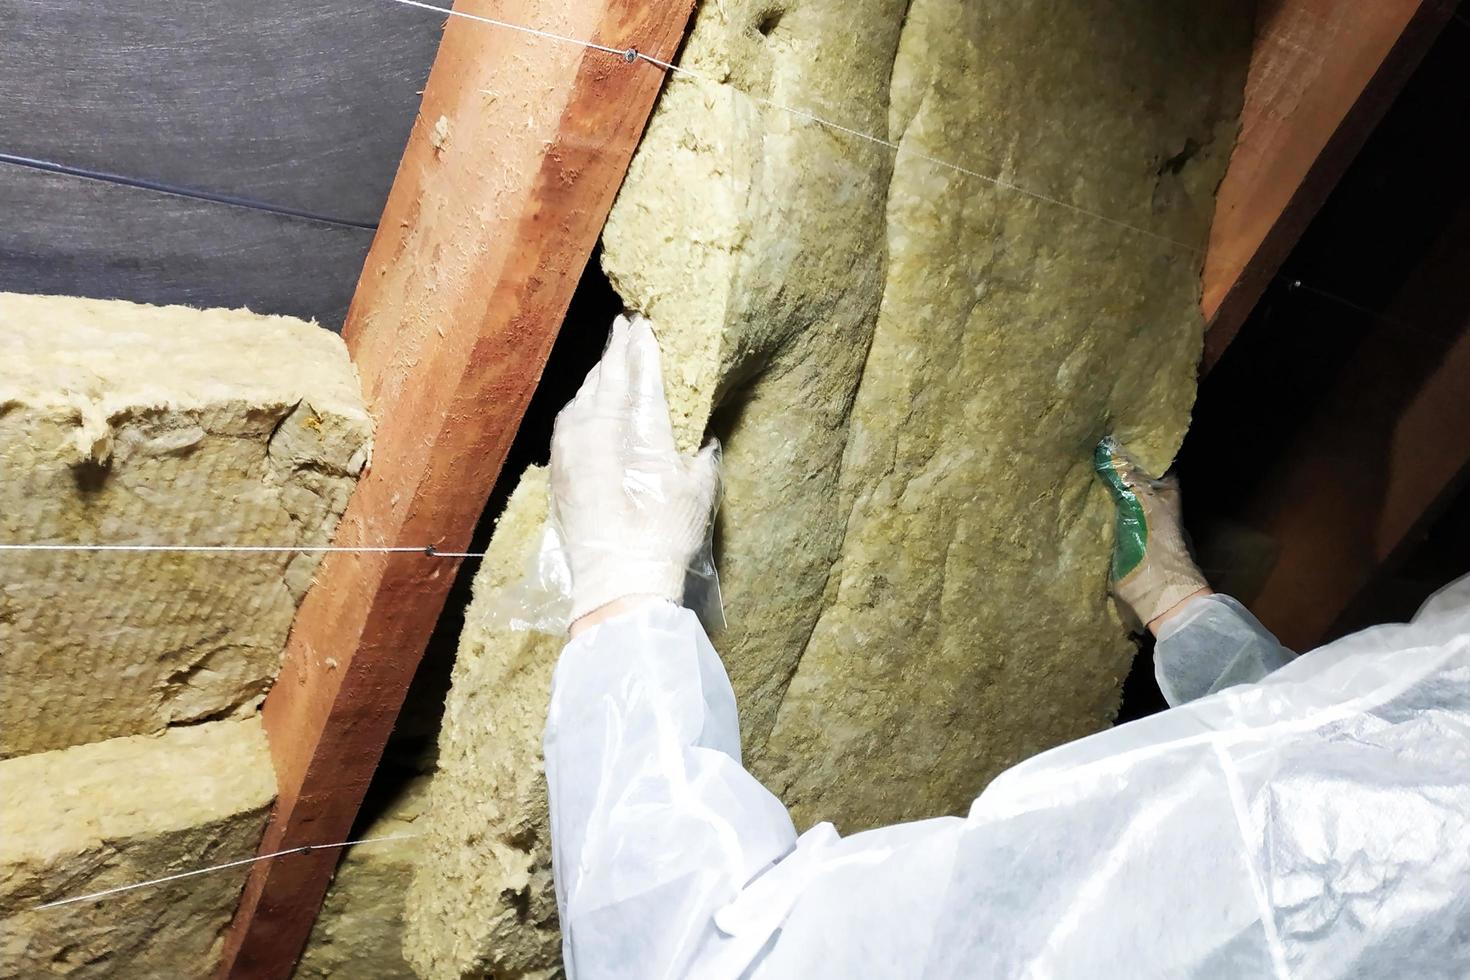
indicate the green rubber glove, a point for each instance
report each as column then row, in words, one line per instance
column 1152, row 570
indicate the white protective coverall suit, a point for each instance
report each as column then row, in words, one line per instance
column 1309, row 822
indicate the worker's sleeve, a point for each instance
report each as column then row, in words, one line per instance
column 654, row 823
column 1214, row 643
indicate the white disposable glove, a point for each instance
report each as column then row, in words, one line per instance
column 632, row 511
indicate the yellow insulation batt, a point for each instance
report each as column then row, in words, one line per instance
column 93, row 817
column 909, row 367
column 130, row 424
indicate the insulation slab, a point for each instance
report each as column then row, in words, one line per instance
column 129, row 424
column 909, row 367
column 486, row 856
column 92, row 817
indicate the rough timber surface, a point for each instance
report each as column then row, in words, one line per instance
column 908, row 368
column 1322, row 74
column 113, row 813
column 128, row 424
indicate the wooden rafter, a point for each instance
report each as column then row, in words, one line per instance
column 1322, row 74
column 1387, row 447
column 519, row 149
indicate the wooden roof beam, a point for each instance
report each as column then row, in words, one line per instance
column 520, row 146
column 1322, row 74
column 1387, row 448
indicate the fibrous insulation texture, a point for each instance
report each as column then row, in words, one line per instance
column 358, row 933
column 93, row 817
column 909, row 366
column 487, row 824
column 129, row 424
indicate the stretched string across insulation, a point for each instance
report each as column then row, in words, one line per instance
column 304, row 849
column 523, row 29
column 428, row 551
column 630, row 55
column 634, row 55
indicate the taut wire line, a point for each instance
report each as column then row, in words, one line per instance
column 898, row 148
column 304, row 849
column 520, row 28
column 178, row 190
column 633, row 55
column 428, row 551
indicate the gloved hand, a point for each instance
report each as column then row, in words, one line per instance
column 1152, row 570
column 632, row 511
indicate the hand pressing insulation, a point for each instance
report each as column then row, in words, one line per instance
column 1152, row 570
column 633, row 511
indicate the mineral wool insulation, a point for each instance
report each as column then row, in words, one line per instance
column 359, row 932
column 129, row 745
column 129, row 424
column 94, row 817
column 909, row 367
